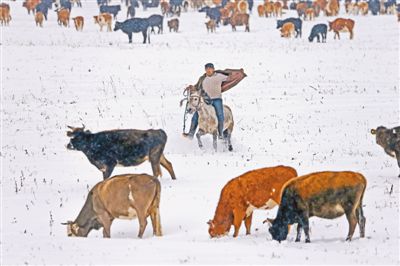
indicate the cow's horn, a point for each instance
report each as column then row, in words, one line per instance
column 373, row 131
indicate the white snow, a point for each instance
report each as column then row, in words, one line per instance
column 307, row 105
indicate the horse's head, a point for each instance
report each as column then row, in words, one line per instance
column 194, row 101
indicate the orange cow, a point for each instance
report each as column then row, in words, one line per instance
column 243, row 6
column 342, row 24
column 287, row 30
column 104, row 19
column 30, row 5
column 277, row 9
column 63, row 17
column 78, row 22
column 269, row 9
column 363, row 7
column 332, row 9
column 261, row 10
column 39, row 17
column 309, row 14
column 257, row 189
column 5, row 16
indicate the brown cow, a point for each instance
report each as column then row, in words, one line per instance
column 173, row 24
column 342, row 24
column 261, row 10
column 363, row 7
column 78, row 22
column 63, row 17
column 124, row 197
column 310, row 14
column 301, row 9
column 332, row 9
column 269, row 9
column 30, row 5
column 39, row 17
column 242, row 6
column 238, row 19
column 326, row 195
column 287, row 30
column 5, row 16
column 257, row 189
column 277, row 9
column 164, row 8
column 211, row 25
column 104, row 19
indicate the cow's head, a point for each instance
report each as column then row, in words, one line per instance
column 381, row 134
column 216, row 230
column 78, row 137
column 74, row 230
column 278, row 230
column 118, row 26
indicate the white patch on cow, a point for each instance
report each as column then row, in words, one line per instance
column 130, row 196
column 131, row 214
column 273, row 190
column 339, row 208
column 250, row 210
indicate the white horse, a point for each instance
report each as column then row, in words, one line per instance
column 208, row 122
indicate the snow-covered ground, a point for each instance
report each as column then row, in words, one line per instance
column 307, row 105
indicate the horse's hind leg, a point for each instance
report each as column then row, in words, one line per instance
column 198, row 135
column 215, row 141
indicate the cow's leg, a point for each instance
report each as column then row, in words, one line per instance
column 142, row 223
column 144, row 33
column 397, row 152
column 238, row 217
column 247, row 223
column 215, row 135
column 130, row 37
column 156, row 221
column 352, row 219
column 303, row 223
column 318, row 38
column 167, row 165
column 361, row 220
column 200, row 133
column 298, row 236
column 106, row 221
column 155, row 158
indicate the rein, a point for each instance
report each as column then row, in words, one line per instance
column 187, row 97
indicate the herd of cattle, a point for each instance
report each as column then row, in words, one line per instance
column 218, row 12
column 324, row 194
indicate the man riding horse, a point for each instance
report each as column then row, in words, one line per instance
column 211, row 85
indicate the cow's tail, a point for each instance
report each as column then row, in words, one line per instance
column 360, row 213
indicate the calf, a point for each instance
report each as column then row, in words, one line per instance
column 342, row 24
column 257, row 189
column 287, row 30
column 238, row 19
column 326, row 195
column 124, row 197
column 297, row 24
column 211, row 25
column 134, row 25
column 5, row 16
column 63, row 17
column 389, row 140
column 104, row 19
column 173, row 24
column 129, row 147
column 111, row 10
column 319, row 29
column 78, row 22
column 30, row 5
column 39, row 19
column 156, row 21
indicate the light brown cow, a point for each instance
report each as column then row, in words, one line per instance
column 342, row 24
column 363, row 6
column 30, row 5
column 257, row 189
column 104, row 19
column 243, row 6
column 78, row 22
column 211, row 25
column 173, row 24
column 5, row 16
column 124, row 197
column 269, row 9
column 309, row 14
column 39, row 17
column 287, row 30
column 238, row 19
column 63, row 17
column 277, row 9
column 261, row 10
column 332, row 8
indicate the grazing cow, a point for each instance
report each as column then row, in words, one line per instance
column 389, row 140
column 277, row 9
column 129, row 147
column 319, row 29
column 43, row 8
column 326, row 195
column 39, row 16
column 238, row 19
column 63, row 17
column 30, row 5
column 301, row 9
column 5, row 16
column 211, row 25
column 173, row 24
column 124, row 197
column 103, row 19
column 342, row 24
column 156, row 21
column 164, row 8
column 257, row 189
column 111, row 10
column 297, row 24
column 134, row 25
column 310, row 14
column 78, row 22
column 261, row 10
column 131, row 12
column 287, row 30
column 269, row 9
column 363, row 7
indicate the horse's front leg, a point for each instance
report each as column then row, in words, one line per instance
column 215, row 134
column 198, row 135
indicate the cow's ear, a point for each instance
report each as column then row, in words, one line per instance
column 210, row 223
column 373, row 131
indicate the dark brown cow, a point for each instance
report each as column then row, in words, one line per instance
column 238, row 19
column 326, row 195
column 30, row 5
column 124, row 197
column 342, row 24
column 173, row 24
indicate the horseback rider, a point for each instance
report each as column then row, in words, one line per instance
column 210, row 86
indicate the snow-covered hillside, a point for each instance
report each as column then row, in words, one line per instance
column 306, row 105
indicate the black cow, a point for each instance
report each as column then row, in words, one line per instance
column 389, row 140
column 44, row 8
column 131, row 12
column 297, row 24
column 156, row 21
column 374, row 6
column 132, row 25
column 48, row 3
column 110, row 9
column 212, row 13
column 319, row 29
column 129, row 147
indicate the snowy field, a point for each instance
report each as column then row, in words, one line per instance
column 306, row 105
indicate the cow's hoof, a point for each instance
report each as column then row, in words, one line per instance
column 230, row 148
column 308, row 241
column 297, row 240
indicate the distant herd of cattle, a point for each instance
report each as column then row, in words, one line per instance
column 224, row 12
column 324, row 194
